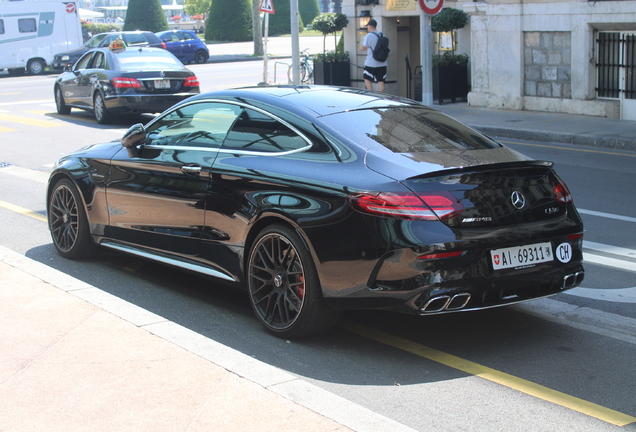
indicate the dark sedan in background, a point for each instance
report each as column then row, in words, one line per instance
column 132, row 80
column 185, row 45
column 321, row 199
column 67, row 59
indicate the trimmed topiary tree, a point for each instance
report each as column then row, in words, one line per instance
column 146, row 15
column 280, row 22
column 308, row 10
column 229, row 20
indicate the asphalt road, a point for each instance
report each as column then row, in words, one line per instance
column 565, row 363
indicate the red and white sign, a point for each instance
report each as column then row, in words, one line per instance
column 432, row 7
column 70, row 7
column 267, row 6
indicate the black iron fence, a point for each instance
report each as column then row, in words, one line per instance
column 616, row 52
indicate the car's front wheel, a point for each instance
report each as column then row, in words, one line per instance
column 201, row 57
column 283, row 285
column 99, row 107
column 36, row 67
column 68, row 222
column 62, row 108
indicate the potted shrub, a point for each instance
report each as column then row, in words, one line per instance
column 450, row 70
column 331, row 67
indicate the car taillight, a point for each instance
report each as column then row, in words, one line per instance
column 562, row 193
column 121, row 82
column 409, row 206
column 440, row 255
column 191, row 82
column 163, row 45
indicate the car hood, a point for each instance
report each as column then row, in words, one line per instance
column 75, row 52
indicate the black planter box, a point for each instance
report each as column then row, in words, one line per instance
column 332, row 73
column 450, row 82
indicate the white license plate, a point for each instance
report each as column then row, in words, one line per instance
column 521, row 256
column 162, row 84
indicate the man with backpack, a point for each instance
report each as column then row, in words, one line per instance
column 377, row 47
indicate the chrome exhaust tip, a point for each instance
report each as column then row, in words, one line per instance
column 572, row 280
column 436, row 304
column 458, row 301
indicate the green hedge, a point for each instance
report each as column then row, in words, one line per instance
column 229, row 20
column 146, row 15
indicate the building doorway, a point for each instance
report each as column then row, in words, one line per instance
column 616, row 70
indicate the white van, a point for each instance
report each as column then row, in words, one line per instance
column 32, row 32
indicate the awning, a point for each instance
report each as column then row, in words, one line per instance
column 86, row 13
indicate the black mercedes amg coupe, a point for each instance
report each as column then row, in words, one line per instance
column 321, row 199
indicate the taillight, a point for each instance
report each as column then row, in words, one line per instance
column 192, row 81
column 163, row 45
column 121, row 82
column 562, row 193
column 440, row 255
column 424, row 206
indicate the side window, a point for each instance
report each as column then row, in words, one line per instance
column 27, row 25
column 83, row 62
column 107, row 40
column 1, row 26
column 257, row 132
column 98, row 61
column 187, row 36
column 203, row 124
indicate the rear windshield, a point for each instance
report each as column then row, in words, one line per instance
column 407, row 130
column 132, row 60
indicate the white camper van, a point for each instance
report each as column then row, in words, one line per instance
column 32, row 32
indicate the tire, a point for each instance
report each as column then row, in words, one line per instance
column 62, row 108
column 99, row 108
column 68, row 222
column 36, row 67
column 283, row 285
column 201, row 57
column 302, row 75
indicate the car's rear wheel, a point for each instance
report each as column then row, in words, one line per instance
column 99, row 107
column 201, row 57
column 68, row 222
column 283, row 285
column 62, row 108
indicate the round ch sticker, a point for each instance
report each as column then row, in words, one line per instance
column 563, row 252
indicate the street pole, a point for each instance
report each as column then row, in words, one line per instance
column 293, row 11
column 427, row 58
column 266, row 19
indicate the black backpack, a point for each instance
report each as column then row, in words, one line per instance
column 381, row 51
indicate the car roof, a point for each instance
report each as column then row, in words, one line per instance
column 322, row 100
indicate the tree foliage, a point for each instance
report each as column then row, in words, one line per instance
column 449, row 19
column 146, row 15
column 308, row 10
column 229, row 20
column 280, row 22
column 330, row 23
column 198, row 7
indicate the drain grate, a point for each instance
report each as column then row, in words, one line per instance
column 5, row 164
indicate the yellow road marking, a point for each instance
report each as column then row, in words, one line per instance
column 6, row 129
column 8, row 94
column 507, row 380
column 29, row 121
column 23, row 211
column 41, row 112
column 570, row 149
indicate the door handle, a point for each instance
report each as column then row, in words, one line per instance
column 191, row 169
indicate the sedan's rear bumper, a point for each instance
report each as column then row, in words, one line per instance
column 137, row 104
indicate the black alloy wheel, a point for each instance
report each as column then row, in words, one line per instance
column 283, row 285
column 99, row 107
column 68, row 222
column 201, row 57
column 61, row 106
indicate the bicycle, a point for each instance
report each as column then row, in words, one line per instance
column 305, row 68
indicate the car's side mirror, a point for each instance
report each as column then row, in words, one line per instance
column 134, row 136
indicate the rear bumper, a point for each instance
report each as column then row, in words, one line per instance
column 132, row 104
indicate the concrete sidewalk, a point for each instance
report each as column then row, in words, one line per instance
column 75, row 358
